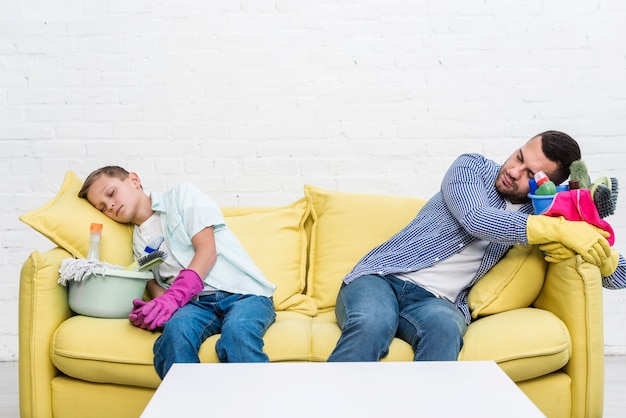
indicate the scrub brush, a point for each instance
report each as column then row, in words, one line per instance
column 148, row 261
column 604, row 192
column 578, row 172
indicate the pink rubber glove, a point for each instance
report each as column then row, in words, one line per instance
column 153, row 314
column 135, row 316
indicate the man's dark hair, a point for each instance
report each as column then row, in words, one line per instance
column 562, row 149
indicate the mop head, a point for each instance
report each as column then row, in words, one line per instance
column 76, row 269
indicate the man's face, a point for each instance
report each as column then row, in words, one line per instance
column 521, row 166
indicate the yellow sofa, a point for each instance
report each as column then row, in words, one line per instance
column 541, row 323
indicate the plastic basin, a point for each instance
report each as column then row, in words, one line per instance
column 108, row 293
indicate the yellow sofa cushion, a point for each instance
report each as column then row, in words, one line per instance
column 65, row 220
column 276, row 240
column 340, row 235
column 526, row 343
column 82, row 348
column 515, row 282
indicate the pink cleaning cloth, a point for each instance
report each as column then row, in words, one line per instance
column 577, row 205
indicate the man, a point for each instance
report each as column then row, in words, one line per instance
column 415, row 285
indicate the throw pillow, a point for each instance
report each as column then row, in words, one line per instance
column 515, row 282
column 65, row 220
column 346, row 226
column 277, row 242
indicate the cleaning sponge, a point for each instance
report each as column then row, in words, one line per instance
column 578, row 172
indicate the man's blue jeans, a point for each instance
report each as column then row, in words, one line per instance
column 373, row 309
column 241, row 319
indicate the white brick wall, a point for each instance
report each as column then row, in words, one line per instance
column 252, row 99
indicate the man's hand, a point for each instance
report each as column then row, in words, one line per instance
column 584, row 239
column 610, row 264
column 556, row 252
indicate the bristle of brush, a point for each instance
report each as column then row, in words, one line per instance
column 603, row 200
column 143, row 260
column 614, row 190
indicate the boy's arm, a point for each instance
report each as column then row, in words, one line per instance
column 154, row 289
column 205, row 252
column 153, row 314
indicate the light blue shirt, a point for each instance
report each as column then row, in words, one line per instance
column 468, row 207
column 185, row 211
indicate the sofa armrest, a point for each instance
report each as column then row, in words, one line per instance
column 42, row 308
column 573, row 291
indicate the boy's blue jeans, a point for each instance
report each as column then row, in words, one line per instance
column 241, row 319
column 373, row 309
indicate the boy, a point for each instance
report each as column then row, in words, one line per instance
column 207, row 285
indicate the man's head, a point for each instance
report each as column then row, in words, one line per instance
column 118, row 194
column 551, row 152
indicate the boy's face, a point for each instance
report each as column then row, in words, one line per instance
column 118, row 199
column 521, row 166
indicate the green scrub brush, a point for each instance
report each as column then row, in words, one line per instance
column 578, row 172
column 604, row 192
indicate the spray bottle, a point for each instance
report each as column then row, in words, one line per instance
column 545, row 187
column 95, row 233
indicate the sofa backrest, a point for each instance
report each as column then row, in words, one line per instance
column 306, row 248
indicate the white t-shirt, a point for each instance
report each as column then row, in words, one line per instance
column 148, row 232
column 447, row 279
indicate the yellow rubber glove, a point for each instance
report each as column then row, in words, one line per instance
column 555, row 252
column 610, row 264
column 584, row 239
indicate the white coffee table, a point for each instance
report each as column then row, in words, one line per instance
column 324, row 390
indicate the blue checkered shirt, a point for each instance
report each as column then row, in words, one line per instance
column 467, row 208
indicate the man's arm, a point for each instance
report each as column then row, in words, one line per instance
column 469, row 192
column 616, row 280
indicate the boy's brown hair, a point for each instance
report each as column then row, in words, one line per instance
column 110, row 171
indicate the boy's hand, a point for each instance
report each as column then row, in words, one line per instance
column 136, row 317
column 155, row 313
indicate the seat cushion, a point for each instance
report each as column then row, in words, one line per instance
column 326, row 332
column 526, row 343
column 83, row 348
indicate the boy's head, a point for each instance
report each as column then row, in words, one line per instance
column 118, row 194
column 109, row 170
